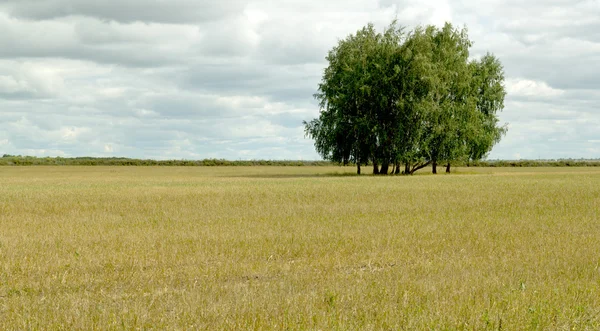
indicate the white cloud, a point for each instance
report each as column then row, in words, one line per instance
column 29, row 79
column 72, row 133
column 43, row 152
column 530, row 88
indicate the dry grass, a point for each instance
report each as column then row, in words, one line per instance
column 291, row 248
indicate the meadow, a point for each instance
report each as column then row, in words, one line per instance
column 298, row 248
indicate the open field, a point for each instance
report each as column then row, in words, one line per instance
column 298, row 248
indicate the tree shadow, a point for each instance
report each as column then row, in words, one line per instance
column 350, row 174
column 292, row 176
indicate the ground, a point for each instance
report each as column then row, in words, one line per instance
column 298, row 248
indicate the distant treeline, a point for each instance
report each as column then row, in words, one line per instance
column 535, row 163
column 18, row 160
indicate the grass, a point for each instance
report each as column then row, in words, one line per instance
column 298, row 248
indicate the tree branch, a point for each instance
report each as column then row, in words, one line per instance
column 419, row 166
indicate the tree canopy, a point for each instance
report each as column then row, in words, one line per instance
column 393, row 98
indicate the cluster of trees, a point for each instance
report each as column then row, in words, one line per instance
column 413, row 99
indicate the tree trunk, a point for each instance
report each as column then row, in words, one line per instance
column 358, row 168
column 407, row 168
column 385, row 168
column 375, row 168
column 434, row 167
column 448, row 168
column 397, row 169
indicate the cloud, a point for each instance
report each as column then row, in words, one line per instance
column 125, row 11
column 25, row 80
column 234, row 79
column 530, row 88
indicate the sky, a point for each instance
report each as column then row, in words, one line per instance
column 233, row 79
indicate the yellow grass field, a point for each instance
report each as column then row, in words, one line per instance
column 295, row 248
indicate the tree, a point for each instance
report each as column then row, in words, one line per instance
column 460, row 120
column 385, row 94
column 356, row 99
column 342, row 132
column 414, row 83
column 450, row 105
column 489, row 92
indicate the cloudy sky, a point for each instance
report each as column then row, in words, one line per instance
column 193, row 79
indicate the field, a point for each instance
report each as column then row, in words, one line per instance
column 298, row 248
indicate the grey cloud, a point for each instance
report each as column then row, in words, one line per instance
column 173, row 11
column 561, row 65
column 551, row 41
column 101, row 42
column 295, row 83
column 291, row 120
column 290, row 42
column 227, row 38
column 555, row 128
